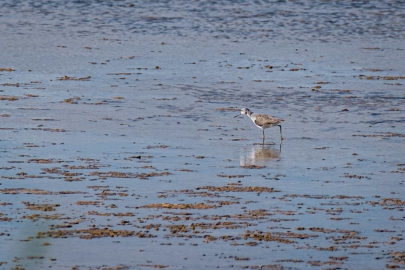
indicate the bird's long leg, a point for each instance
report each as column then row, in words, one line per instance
column 263, row 135
column 281, row 134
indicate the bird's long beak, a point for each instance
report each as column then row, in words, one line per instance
column 236, row 116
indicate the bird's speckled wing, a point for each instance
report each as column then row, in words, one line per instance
column 266, row 120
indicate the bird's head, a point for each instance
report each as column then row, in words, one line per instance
column 244, row 111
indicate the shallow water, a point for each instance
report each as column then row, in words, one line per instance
column 119, row 147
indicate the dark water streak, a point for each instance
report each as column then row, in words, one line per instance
column 235, row 20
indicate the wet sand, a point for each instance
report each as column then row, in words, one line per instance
column 119, row 149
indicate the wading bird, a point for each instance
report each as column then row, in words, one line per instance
column 263, row 121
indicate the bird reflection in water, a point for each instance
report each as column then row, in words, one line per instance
column 259, row 154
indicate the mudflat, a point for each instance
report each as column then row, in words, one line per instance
column 119, row 150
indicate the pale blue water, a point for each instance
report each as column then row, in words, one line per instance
column 340, row 167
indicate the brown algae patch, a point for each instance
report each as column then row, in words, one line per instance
column 68, row 78
column 387, row 78
column 218, row 191
column 228, row 109
column 281, row 237
column 42, row 160
column 398, row 257
column 9, row 98
column 93, row 232
column 6, row 69
column 113, row 174
column 152, row 174
column 180, row 205
column 253, row 166
column 232, row 175
column 390, row 204
column 35, row 217
column 41, row 207
column 236, row 187
column 73, row 100
column 383, row 135
column 36, row 191
column 88, row 202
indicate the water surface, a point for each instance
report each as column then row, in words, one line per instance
column 119, row 147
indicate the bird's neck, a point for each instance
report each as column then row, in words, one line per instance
column 249, row 113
